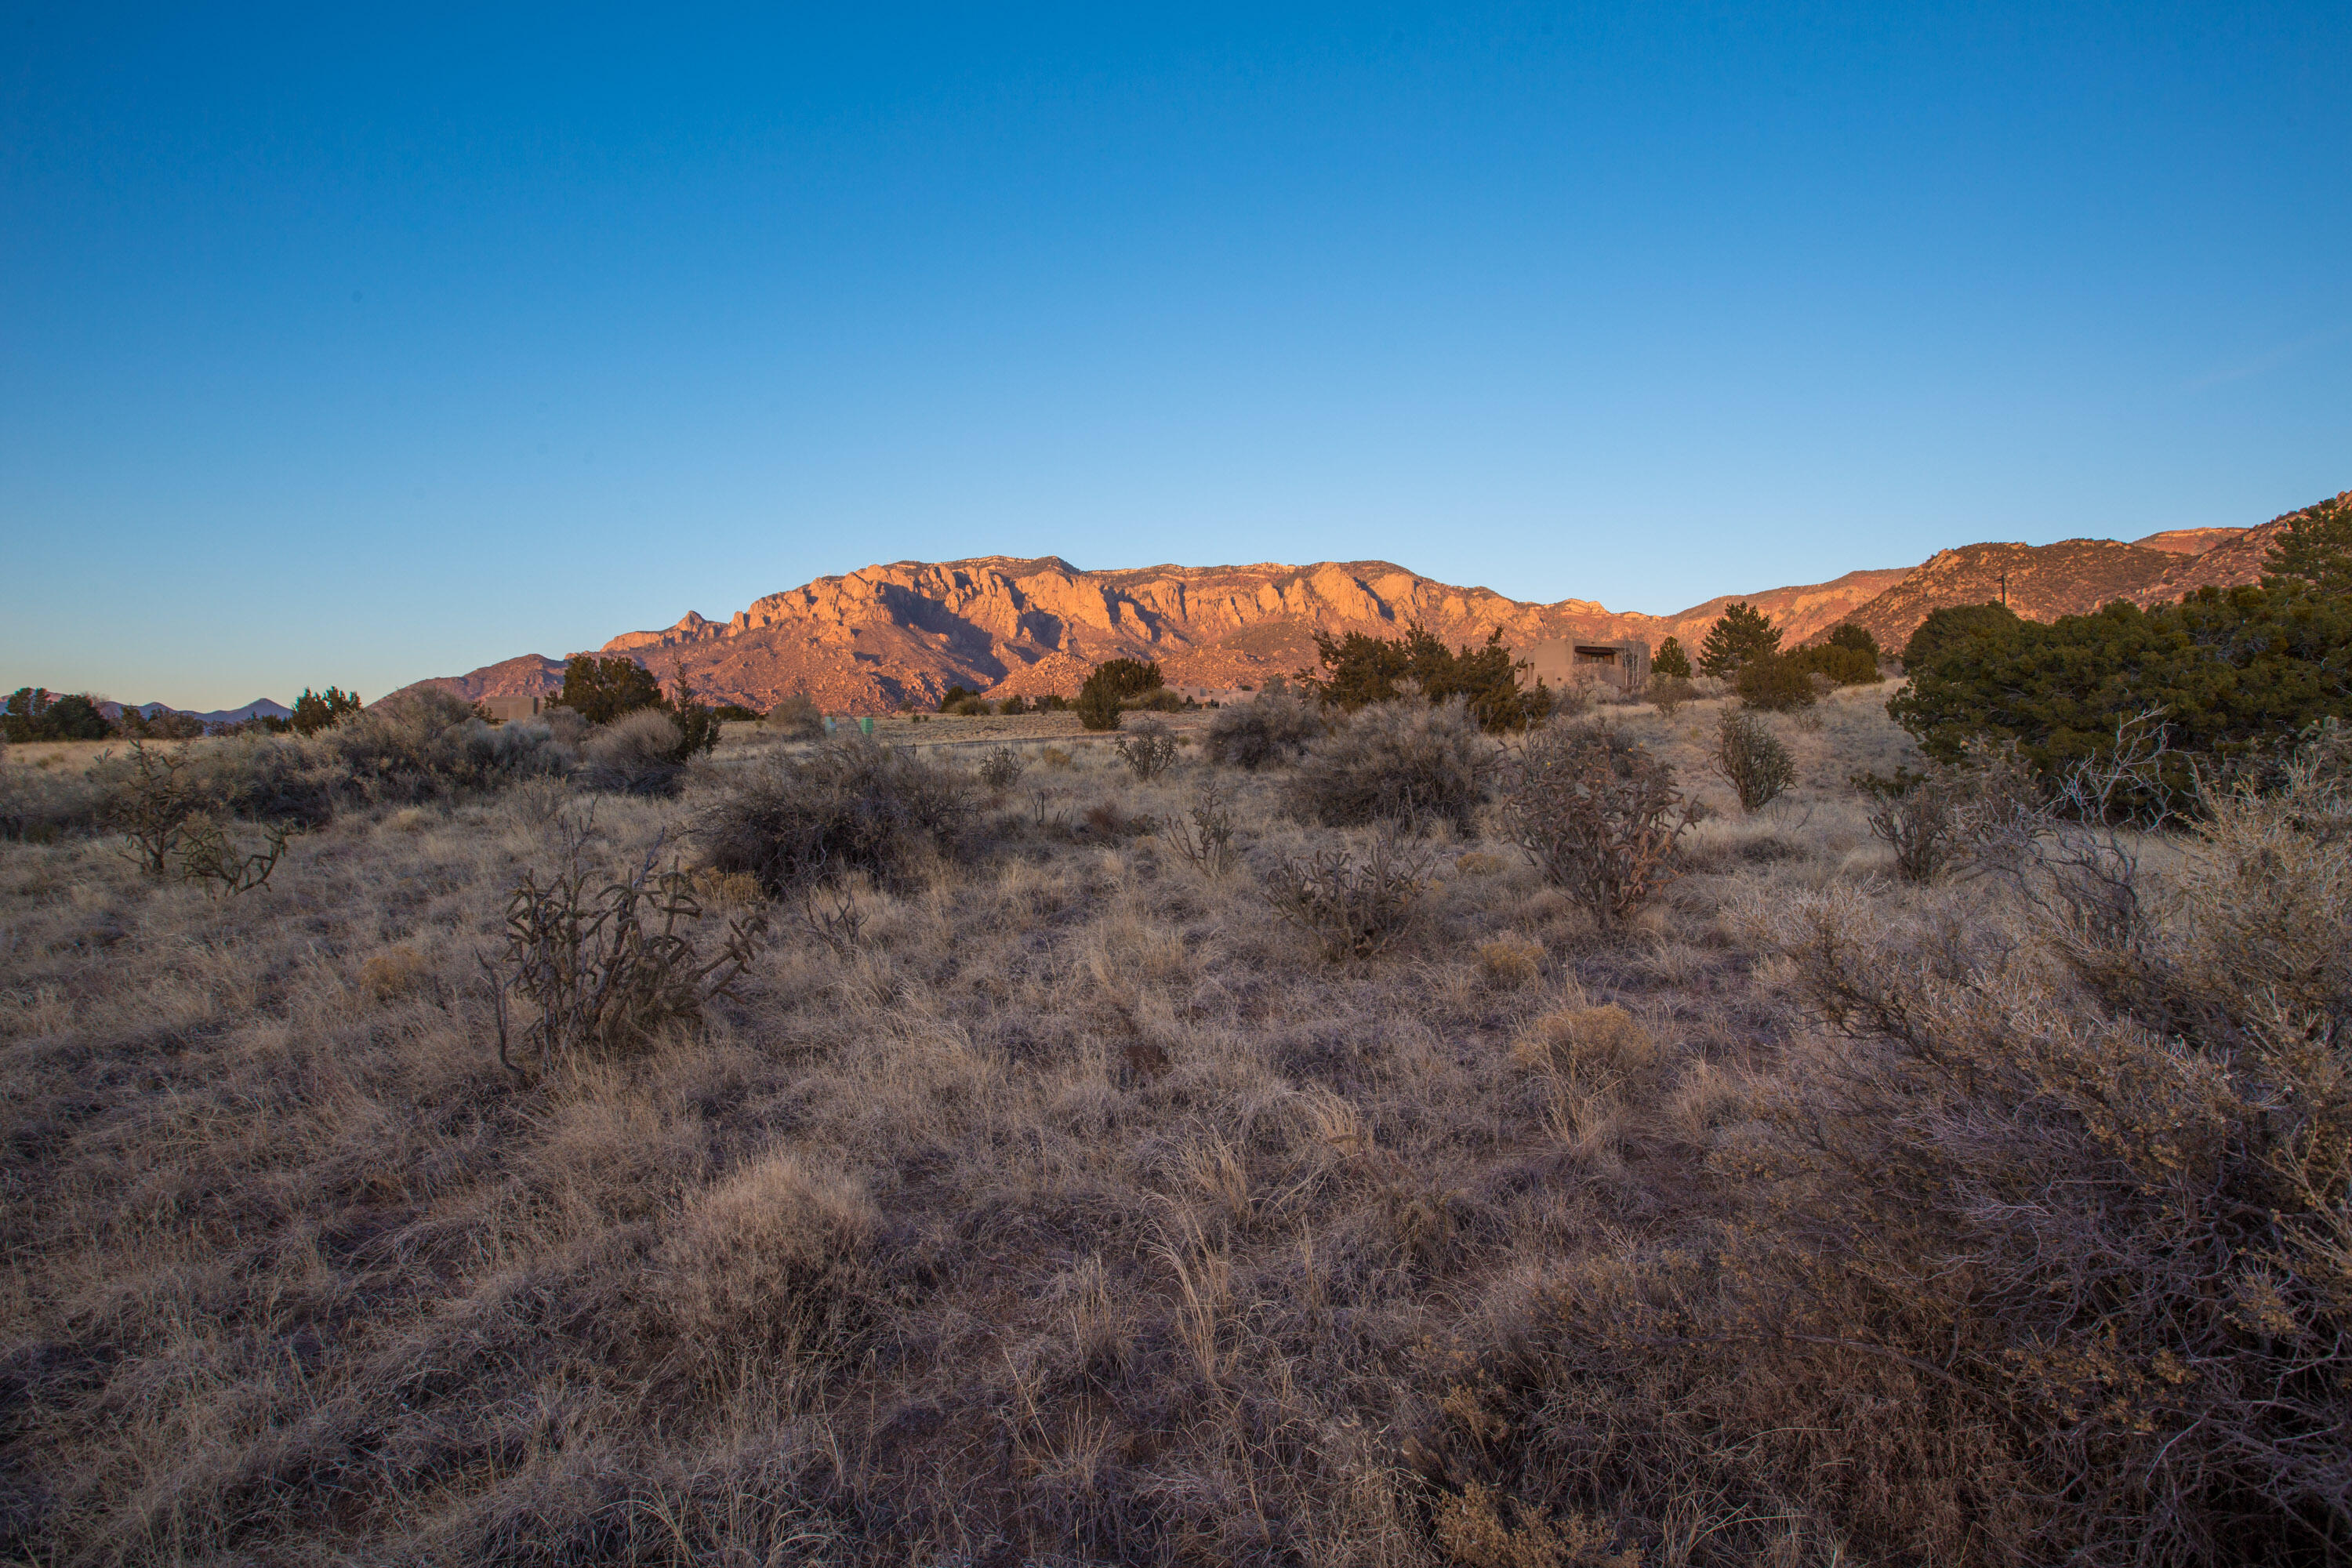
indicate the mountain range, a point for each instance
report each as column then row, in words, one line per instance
column 878, row 638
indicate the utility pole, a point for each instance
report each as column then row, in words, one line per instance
column 2004, row 590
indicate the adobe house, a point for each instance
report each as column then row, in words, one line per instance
column 1558, row 662
column 505, row 710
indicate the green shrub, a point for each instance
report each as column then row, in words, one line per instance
column 736, row 713
column 1159, row 700
column 601, row 689
column 1740, row 634
column 1273, row 727
column 164, row 726
column 1360, row 670
column 1097, row 708
column 697, row 725
column 1013, row 705
column 37, row 713
column 1126, row 677
column 1597, row 813
column 1407, row 761
column 1671, row 661
column 1845, row 666
column 2315, row 547
column 316, row 711
column 847, row 805
column 1948, row 630
column 1775, row 684
column 963, row 702
column 2235, row 672
column 1855, row 638
column 1106, row 693
column 1751, row 760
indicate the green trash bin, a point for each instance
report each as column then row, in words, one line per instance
column 866, row 725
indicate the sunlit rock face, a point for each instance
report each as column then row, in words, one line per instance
column 873, row 639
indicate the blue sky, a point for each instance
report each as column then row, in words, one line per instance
column 362, row 346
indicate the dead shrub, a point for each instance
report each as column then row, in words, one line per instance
column 1148, row 748
column 1571, row 701
column 1484, row 1528
column 1002, row 768
column 847, row 805
column 394, row 972
column 2130, row 1238
column 173, row 809
column 636, row 753
column 1272, row 728
column 1667, row 693
column 1919, row 818
column 39, row 807
column 1203, row 836
column 1751, row 760
column 1414, row 763
column 769, row 1260
column 603, row 968
column 831, row 913
column 1586, row 1042
column 1777, row 684
column 732, row 889
column 1510, row 962
column 797, row 718
column 209, row 855
column 428, row 745
column 148, row 796
column 1597, row 813
column 1353, row 908
column 1478, row 863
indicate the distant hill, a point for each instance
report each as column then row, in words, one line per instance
column 867, row 641
column 259, row 708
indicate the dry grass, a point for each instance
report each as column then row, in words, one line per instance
column 1072, row 1210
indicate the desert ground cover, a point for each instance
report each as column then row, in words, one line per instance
column 1043, row 1195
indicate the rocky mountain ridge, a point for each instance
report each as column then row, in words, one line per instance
column 871, row 640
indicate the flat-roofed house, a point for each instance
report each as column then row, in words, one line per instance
column 1560, row 662
column 505, row 710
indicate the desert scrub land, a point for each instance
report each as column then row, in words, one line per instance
column 1043, row 1180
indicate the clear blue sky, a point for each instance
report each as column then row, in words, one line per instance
column 361, row 344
